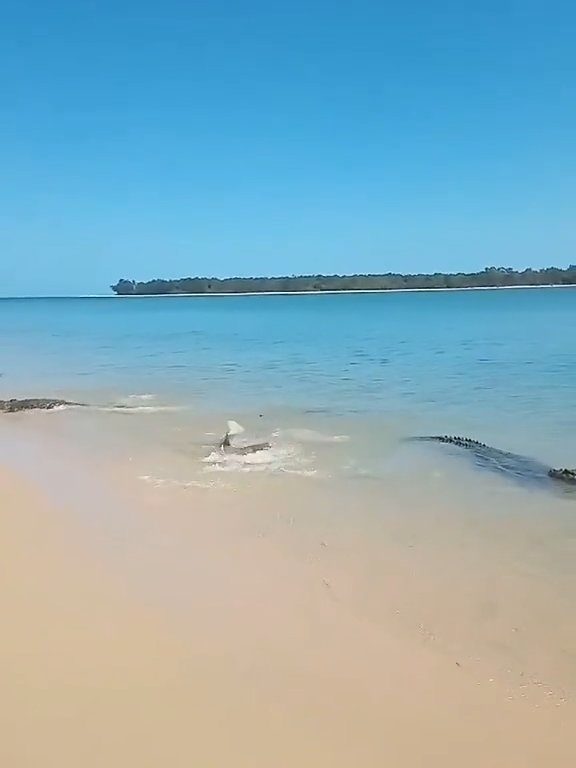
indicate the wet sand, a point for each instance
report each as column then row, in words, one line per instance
column 184, row 636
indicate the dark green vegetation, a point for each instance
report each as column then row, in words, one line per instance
column 491, row 277
column 518, row 467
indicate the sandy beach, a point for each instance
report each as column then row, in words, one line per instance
column 312, row 502
column 184, row 638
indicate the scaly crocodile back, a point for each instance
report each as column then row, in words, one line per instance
column 461, row 442
column 33, row 404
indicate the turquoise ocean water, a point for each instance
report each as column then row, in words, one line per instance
column 499, row 365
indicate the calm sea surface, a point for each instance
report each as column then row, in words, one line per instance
column 498, row 365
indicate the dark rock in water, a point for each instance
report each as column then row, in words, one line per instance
column 33, row 404
column 514, row 465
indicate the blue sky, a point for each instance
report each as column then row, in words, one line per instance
column 147, row 139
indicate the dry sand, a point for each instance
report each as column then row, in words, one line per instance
column 192, row 642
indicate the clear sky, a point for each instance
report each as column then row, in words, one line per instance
column 161, row 139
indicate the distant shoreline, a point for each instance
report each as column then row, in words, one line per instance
column 490, row 277
column 293, row 293
column 320, row 293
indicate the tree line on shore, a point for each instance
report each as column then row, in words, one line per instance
column 491, row 277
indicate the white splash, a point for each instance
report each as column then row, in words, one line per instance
column 137, row 408
column 273, row 460
column 312, row 436
column 163, row 482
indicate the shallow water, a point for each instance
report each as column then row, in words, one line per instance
column 497, row 365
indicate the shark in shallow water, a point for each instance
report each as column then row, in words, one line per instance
column 226, row 445
column 521, row 468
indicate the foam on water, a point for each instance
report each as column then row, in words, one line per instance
column 169, row 482
column 304, row 435
column 136, row 408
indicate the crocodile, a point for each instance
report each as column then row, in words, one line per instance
column 511, row 464
column 16, row 405
column 34, row 404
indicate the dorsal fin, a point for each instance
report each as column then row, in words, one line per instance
column 234, row 428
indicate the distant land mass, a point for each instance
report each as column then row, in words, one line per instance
column 491, row 277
